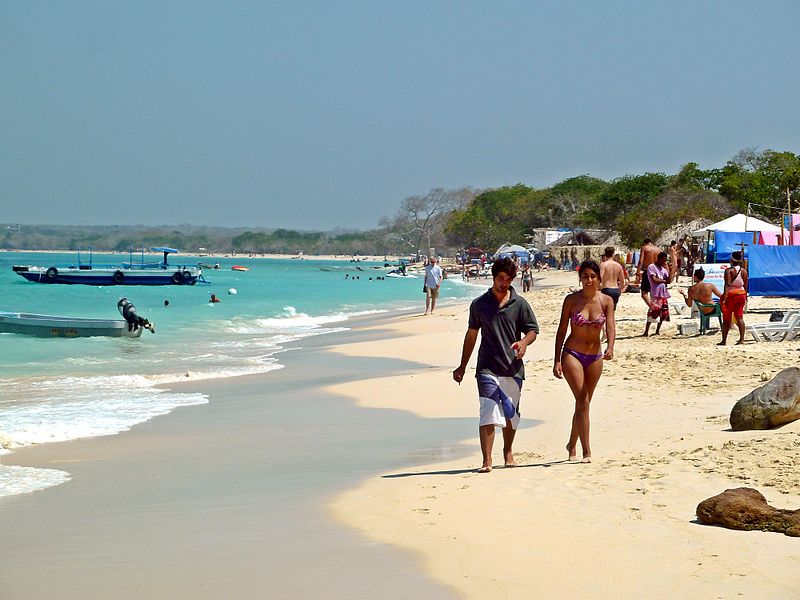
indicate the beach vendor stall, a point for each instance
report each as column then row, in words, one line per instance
column 730, row 234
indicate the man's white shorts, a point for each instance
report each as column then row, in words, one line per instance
column 492, row 412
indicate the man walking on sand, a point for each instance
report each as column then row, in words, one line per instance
column 674, row 253
column 613, row 277
column 508, row 326
column 433, row 280
column 658, row 274
column 647, row 256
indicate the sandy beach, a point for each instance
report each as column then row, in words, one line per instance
column 622, row 527
column 370, row 489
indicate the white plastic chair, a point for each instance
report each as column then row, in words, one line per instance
column 789, row 328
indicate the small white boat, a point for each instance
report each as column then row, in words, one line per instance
column 131, row 325
column 67, row 327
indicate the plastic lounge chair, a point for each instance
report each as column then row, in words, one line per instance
column 706, row 318
column 777, row 332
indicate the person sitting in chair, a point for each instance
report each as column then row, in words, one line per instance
column 701, row 291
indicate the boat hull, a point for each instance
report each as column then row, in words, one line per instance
column 186, row 276
column 51, row 326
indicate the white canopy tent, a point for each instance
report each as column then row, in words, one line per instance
column 511, row 249
column 738, row 222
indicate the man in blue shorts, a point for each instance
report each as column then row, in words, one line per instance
column 507, row 325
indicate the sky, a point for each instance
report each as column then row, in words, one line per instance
column 323, row 115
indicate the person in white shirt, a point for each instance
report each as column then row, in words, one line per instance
column 433, row 279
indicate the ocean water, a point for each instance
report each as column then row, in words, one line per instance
column 61, row 389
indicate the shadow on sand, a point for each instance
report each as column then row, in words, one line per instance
column 475, row 470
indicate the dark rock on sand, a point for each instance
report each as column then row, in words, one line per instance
column 772, row 405
column 746, row 509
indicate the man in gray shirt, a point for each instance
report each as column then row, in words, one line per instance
column 507, row 325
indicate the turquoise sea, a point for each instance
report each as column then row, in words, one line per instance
column 60, row 389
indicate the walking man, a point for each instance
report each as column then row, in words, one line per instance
column 613, row 277
column 508, row 326
column 647, row 256
column 433, row 279
column 658, row 275
column 674, row 253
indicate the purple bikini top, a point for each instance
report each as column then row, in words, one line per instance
column 581, row 321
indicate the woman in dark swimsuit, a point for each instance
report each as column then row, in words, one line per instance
column 579, row 360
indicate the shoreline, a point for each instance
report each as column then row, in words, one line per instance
column 424, row 509
column 166, row 496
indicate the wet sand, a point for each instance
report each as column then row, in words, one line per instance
column 225, row 500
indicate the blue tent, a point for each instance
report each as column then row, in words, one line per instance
column 774, row 271
column 726, row 242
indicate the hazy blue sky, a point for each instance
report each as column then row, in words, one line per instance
column 323, row 114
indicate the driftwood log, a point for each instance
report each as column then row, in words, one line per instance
column 771, row 405
column 746, row 509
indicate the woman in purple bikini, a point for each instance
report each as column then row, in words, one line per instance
column 579, row 360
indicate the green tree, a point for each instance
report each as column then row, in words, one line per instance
column 623, row 195
column 492, row 218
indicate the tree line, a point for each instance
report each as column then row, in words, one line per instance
column 765, row 183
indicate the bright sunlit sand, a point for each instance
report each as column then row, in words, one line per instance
column 621, row 527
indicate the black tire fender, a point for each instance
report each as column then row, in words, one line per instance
column 187, row 276
column 51, row 273
column 177, row 277
column 119, row 276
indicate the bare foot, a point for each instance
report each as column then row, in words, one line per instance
column 485, row 469
column 644, row 335
column 571, row 454
column 740, row 342
column 508, row 457
column 586, row 459
column 721, row 344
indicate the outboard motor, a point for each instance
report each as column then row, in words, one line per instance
column 128, row 312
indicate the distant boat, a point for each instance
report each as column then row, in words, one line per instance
column 64, row 327
column 239, row 268
column 130, row 273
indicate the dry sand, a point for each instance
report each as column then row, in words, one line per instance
column 621, row 527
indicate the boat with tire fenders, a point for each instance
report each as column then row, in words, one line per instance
column 130, row 273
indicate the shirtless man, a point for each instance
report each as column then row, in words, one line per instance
column 674, row 253
column 647, row 257
column 613, row 277
column 701, row 291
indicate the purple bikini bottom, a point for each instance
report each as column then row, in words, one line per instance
column 584, row 359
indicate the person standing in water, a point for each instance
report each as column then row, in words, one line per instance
column 580, row 358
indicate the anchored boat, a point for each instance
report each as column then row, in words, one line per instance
column 131, row 325
column 130, row 273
